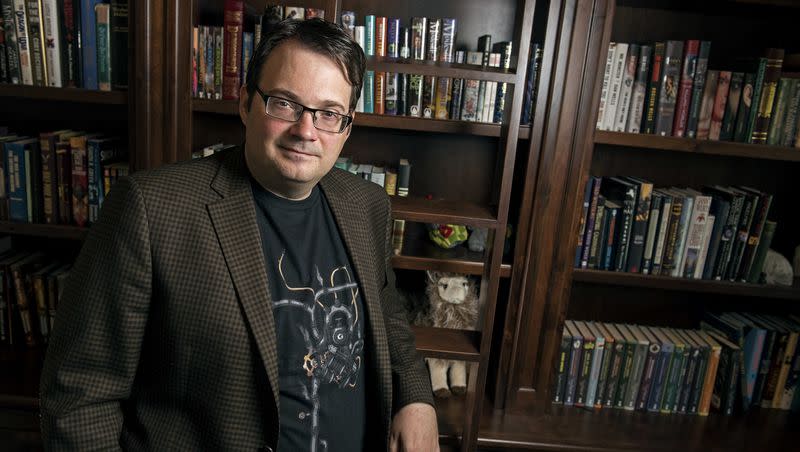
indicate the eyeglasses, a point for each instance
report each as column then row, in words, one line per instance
column 287, row 110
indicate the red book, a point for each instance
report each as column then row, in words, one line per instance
column 380, row 36
column 691, row 50
column 232, row 40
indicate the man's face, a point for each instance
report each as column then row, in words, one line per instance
column 289, row 158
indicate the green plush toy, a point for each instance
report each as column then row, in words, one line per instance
column 447, row 235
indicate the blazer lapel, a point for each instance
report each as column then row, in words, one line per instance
column 234, row 220
column 350, row 219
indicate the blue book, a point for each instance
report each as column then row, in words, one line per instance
column 660, row 373
column 18, row 176
column 247, row 52
column 752, row 344
column 393, row 38
column 369, row 92
column 98, row 151
column 89, row 43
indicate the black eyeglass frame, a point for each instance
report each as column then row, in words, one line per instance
column 346, row 119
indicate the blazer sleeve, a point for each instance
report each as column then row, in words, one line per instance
column 410, row 379
column 94, row 349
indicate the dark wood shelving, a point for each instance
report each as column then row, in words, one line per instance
column 439, row 69
column 19, row 377
column 445, row 343
column 442, row 211
column 575, row 429
column 231, row 107
column 686, row 285
column 653, row 143
column 77, row 95
column 54, row 231
column 424, row 255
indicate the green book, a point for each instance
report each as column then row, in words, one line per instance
column 758, row 84
column 779, row 109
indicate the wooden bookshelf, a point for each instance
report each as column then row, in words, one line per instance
column 43, row 230
column 75, row 95
column 448, row 344
column 442, row 211
column 439, row 69
column 19, row 377
column 738, row 289
column 466, row 265
column 655, row 143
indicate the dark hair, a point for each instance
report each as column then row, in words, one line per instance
column 325, row 38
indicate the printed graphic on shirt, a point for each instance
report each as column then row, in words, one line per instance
column 333, row 339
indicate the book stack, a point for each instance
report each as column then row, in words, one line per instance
column 667, row 89
column 69, row 43
column 394, row 180
column 736, row 361
column 715, row 233
column 31, row 285
column 60, row 177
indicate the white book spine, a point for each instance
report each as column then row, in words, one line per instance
column 695, row 236
column 666, row 210
column 683, row 229
column 606, row 82
column 617, row 72
column 23, row 42
column 623, row 109
column 52, row 41
column 701, row 260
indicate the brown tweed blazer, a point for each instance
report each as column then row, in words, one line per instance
column 165, row 338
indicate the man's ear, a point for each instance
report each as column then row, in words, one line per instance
column 244, row 107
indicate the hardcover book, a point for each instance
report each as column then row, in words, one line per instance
column 691, row 52
column 698, row 87
column 670, row 80
column 732, row 106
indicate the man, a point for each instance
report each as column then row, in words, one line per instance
column 245, row 301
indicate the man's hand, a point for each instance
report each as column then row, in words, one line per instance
column 414, row 429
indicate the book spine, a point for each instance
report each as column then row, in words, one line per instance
column 614, row 372
column 393, row 38
column 585, row 371
column 778, row 116
column 119, row 44
column 745, row 104
column 3, row 70
column 469, row 95
column 732, row 106
column 617, row 74
column 560, row 380
column 648, row 374
column 574, row 370
column 94, row 178
column 36, row 42
column 428, row 96
column 49, row 180
column 670, row 80
column 628, row 76
column 12, row 48
column 611, row 237
column 635, row 380
column 17, row 181
column 379, row 106
column 419, row 29
column 741, row 238
column 590, row 222
column 683, row 232
column 720, row 101
column 639, row 229
column 233, row 23
column 652, row 232
column 756, row 229
column 695, row 235
column 80, row 182
column 707, row 105
column 369, row 92
column 442, row 104
column 663, row 227
column 728, row 237
column 772, row 74
column 698, row 87
column 219, row 60
column 448, row 40
column 698, row 380
column 88, row 43
column 52, row 39
column 758, row 84
column 672, row 382
column 390, row 96
column 381, row 43
column 23, row 42
column 604, row 374
column 103, row 30
column 594, row 373
column 596, row 240
column 790, row 123
column 587, row 202
column 625, row 375
column 654, row 88
column 606, row 85
column 369, row 35
column 433, row 39
column 639, row 90
column 761, row 252
column 671, row 239
column 701, row 261
column 528, row 106
column 690, row 54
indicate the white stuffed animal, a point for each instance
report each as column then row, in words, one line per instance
column 453, row 303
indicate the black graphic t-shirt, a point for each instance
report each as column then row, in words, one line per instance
column 319, row 321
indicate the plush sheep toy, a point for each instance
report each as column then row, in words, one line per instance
column 453, row 303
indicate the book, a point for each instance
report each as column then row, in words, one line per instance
column 618, row 70
column 419, row 29
column 732, row 106
column 710, row 376
column 433, row 39
column 781, row 105
column 12, row 62
column 52, row 38
column 661, row 370
column 639, row 227
column 80, row 179
column 626, row 88
column 649, row 371
column 379, row 100
column 587, row 358
column 691, row 53
column 36, row 42
column 616, row 366
column 88, row 43
column 562, row 363
column 679, row 254
column 606, row 84
column 695, row 235
column 761, row 212
column 590, row 223
column 671, row 234
column 670, row 79
column 448, row 40
column 20, row 24
column 634, row 121
column 403, row 177
column 625, row 193
column 574, row 363
column 640, row 356
column 18, row 173
column 414, row 98
column 698, row 87
column 720, row 209
column 790, row 123
column 597, row 360
column 233, row 20
column 597, row 234
column 707, row 105
column 606, row 366
column 772, row 74
column 758, row 84
column 720, row 102
column 627, row 367
column 745, row 104
column 742, row 236
column 761, row 252
column 675, row 374
column 119, row 44
column 103, row 33
column 686, row 384
column 381, row 42
column 661, row 234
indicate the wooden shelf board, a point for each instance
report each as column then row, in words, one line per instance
column 575, row 429
column 442, row 211
column 448, row 344
column 231, row 107
column 439, row 69
column 686, row 285
column 78, row 95
column 19, row 377
column 448, row 265
column 725, row 148
column 44, row 230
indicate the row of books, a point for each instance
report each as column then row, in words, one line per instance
column 64, row 43
column 221, row 53
column 59, row 177
column 666, row 370
column 31, row 285
column 394, row 180
column 667, row 89
column 719, row 233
